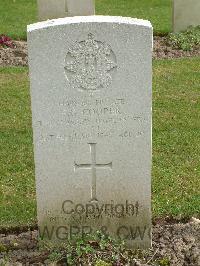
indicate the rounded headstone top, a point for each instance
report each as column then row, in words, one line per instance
column 88, row 19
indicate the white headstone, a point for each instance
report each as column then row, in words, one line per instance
column 185, row 13
column 50, row 9
column 91, row 111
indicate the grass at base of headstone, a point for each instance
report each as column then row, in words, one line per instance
column 176, row 123
column 94, row 249
column 187, row 40
column 16, row 14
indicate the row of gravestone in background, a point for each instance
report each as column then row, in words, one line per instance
column 185, row 12
column 50, row 9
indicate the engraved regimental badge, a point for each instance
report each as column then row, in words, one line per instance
column 90, row 65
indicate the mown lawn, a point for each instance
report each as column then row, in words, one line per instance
column 17, row 188
column 16, row 14
column 176, row 137
column 176, row 145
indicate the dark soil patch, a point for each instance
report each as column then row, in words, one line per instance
column 173, row 244
column 163, row 50
column 14, row 56
column 17, row 55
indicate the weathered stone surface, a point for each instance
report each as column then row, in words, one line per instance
column 50, row 9
column 91, row 111
column 185, row 13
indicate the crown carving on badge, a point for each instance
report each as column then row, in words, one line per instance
column 89, row 64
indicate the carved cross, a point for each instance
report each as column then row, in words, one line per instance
column 93, row 166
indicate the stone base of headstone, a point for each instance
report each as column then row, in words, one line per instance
column 185, row 13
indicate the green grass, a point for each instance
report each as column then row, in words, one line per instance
column 16, row 14
column 188, row 40
column 159, row 12
column 176, row 145
column 17, row 188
